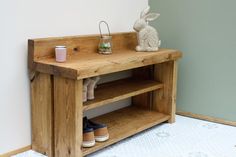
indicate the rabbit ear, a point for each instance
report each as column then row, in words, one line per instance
column 151, row 16
column 145, row 12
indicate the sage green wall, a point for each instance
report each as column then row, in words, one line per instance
column 205, row 31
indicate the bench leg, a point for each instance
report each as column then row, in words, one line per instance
column 164, row 100
column 42, row 114
column 68, row 115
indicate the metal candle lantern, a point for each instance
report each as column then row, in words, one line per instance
column 105, row 44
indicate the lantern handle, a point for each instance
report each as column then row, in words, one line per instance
column 101, row 30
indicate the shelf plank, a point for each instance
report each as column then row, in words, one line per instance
column 83, row 65
column 126, row 122
column 119, row 90
column 83, row 60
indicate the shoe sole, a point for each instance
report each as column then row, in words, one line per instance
column 101, row 138
column 87, row 144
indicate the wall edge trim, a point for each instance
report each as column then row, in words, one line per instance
column 17, row 151
column 207, row 118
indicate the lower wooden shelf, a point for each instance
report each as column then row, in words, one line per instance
column 126, row 122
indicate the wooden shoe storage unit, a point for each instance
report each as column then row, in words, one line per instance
column 56, row 91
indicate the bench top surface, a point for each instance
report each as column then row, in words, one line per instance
column 86, row 62
column 92, row 64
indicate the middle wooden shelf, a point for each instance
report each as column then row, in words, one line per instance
column 121, row 89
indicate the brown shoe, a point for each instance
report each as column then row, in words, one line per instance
column 88, row 136
column 101, row 134
column 100, row 130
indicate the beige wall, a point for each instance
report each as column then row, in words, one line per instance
column 21, row 20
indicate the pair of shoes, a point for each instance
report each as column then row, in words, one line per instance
column 89, row 85
column 93, row 132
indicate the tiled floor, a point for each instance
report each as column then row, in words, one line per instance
column 186, row 138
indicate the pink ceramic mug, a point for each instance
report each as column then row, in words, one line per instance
column 60, row 53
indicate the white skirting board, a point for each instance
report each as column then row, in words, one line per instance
column 187, row 137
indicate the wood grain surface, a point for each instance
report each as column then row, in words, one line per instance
column 121, row 89
column 68, row 117
column 83, row 60
column 42, row 114
column 164, row 100
column 126, row 122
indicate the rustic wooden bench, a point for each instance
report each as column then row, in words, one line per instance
column 56, row 91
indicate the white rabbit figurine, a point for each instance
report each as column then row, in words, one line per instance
column 148, row 39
